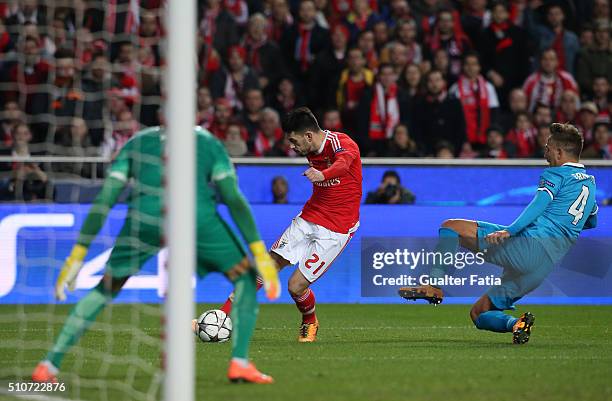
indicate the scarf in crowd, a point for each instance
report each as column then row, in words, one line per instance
column 546, row 91
column 524, row 141
column 264, row 144
column 475, row 102
column 302, row 48
column 209, row 26
column 384, row 112
column 558, row 47
column 238, row 9
column 501, row 33
column 252, row 47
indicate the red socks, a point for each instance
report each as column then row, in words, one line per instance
column 306, row 304
column 227, row 306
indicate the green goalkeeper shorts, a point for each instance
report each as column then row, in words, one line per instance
column 218, row 248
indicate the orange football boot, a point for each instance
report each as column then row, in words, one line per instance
column 249, row 374
column 42, row 374
column 308, row 332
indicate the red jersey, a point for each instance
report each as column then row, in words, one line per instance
column 335, row 201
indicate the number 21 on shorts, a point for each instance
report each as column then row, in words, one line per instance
column 314, row 259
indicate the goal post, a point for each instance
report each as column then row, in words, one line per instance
column 180, row 199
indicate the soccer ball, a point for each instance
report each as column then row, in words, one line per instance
column 214, row 326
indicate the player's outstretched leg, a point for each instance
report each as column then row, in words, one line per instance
column 244, row 316
column 304, row 299
column 80, row 318
column 486, row 316
column 521, row 331
column 449, row 234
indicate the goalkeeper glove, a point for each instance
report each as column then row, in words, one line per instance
column 70, row 271
column 267, row 270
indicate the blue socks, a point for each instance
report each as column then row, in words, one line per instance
column 495, row 320
column 448, row 242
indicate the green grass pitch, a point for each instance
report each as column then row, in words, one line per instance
column 364, row 352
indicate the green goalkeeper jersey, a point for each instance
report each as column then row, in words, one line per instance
column 141, row 160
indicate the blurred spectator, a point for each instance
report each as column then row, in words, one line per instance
column 398, row 57
column 234, row 141
column 279, row 20
column 280, row 190
column 263, row 56
column 366, row 43
column 517, row 102
column 322, row 12
column 251, row 115
column 441, row 62
column 286, row 97
column 381, row 34
column 449, row 35
column 302, row 41
column 25, row 11
column 397, row 12
column 602, row 144
column 150, row 38
column 221, row 120
column 123, row 129
column 74, row 141
column 94, row 86
column 523, row 135
column 11, row 116
column 327, row 70
column 354, row 80
column 407, row 35
column 502, row 44
column 601, row 92
column 270, row 132
column 401, row 144
column 332, row 121
column 411, row 86
column 390, row 191
column 438, row 117
column 478, row 99
column 67, row 98
column 361, row 17
column 586, row 38
column 568, row 109
column 596, row 61
column 209, row 62
column 217, row 27
column 543, row 133
column 26, row 76
column 445, row 150
column 586, row 120
column 205, row 110
column 548, row 83
column 378, row 112
column 467, row 152
column 231, row 83
column 553, row 34
column 542, row 116
column 475, row 19
column 238, row 9
column 497, row 147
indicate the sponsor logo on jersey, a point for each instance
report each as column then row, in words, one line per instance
column 328, row 183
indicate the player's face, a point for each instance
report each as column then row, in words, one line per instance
column 552, row 153
column 300, row 143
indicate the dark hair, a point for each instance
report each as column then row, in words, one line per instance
column 567, row 137
column 502, row 3
column 469, row 54
column 391, row 173
column 300, row 120
column 63, row 52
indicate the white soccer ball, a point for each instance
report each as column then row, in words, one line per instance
column 214, row 326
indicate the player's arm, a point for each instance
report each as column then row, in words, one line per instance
column 547, row 190
column 343, row 161
column 112, row 188
column 592, row 219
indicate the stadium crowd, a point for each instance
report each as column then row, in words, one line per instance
column 404, row 78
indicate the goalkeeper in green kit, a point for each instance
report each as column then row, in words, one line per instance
column 218, row 249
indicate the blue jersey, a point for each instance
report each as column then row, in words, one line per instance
column 572, row 191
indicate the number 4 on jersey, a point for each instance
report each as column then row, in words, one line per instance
column 577, row 208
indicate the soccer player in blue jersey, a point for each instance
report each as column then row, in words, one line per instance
column 529, row 248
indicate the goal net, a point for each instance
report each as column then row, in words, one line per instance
column 78, row 80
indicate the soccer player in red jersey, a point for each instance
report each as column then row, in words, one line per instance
column 327, row 221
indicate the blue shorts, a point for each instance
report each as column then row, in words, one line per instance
column 525, row 262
